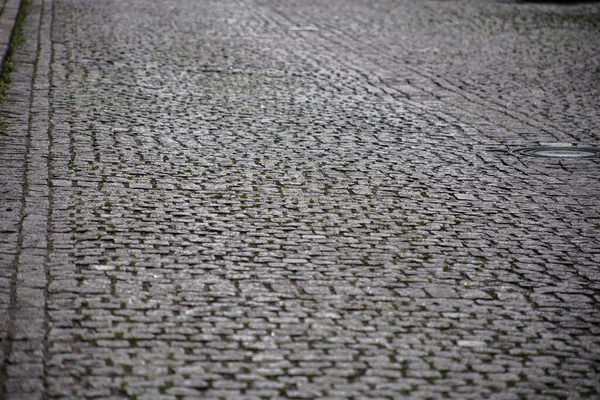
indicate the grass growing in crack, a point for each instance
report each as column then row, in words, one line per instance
column 16, row 42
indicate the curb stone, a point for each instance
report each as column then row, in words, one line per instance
column 8, row 20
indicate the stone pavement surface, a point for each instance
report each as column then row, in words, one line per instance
column 312, row 199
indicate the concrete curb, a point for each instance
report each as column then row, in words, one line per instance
column 8, row 20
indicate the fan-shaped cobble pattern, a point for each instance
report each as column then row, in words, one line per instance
column 261, row 199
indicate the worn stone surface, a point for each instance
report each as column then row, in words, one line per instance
column 264, row 199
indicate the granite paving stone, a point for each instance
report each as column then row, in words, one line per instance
column 264, row 199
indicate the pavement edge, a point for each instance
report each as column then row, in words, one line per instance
column 8, row 21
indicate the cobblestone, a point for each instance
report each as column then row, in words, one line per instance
column 201, row 201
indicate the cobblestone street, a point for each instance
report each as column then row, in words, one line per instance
column 316, row 199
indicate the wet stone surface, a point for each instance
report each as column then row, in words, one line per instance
column 200, row 200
